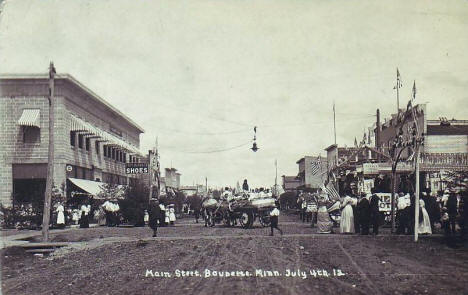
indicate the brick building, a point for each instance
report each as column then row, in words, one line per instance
column 92, row 141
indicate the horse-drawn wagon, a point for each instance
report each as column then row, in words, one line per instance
column 243, row 210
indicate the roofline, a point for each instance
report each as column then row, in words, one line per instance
column 333, row 145
column 300, row 160
column 74, row 81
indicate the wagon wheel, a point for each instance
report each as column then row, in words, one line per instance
column 265, row 220
column 246, row 219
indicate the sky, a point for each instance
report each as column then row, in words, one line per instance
column 199, row 75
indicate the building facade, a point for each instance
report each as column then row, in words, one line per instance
column 92, row 139
column 445, row 146
column 290, row 183
column 172, row 178
column 309, row 175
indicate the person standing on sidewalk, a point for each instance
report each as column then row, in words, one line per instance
column 60, row 216
column 274, row 216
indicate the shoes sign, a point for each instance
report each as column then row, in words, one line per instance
column 136, row 168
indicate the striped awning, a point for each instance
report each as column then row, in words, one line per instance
column 30, row 117
column 80, row 125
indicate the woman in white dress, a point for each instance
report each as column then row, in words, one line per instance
column 172, row 217
column 60, row 216
column 425, row 225
column 347, row 217
column 167, row 216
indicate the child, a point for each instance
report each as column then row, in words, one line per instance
column 274, row 216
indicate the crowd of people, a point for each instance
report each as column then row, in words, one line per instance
column 361, row 213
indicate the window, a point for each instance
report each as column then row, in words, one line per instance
column 80, row 141
column 96, row 144
column 87, row 143
column 113, row 153
column 124, row 157
column 105, row 151
column 31, row 134
column 72, row 138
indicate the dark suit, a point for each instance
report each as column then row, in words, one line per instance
column 154, row 213
column 364, row 215
column 374, row 213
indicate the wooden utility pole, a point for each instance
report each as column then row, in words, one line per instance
column 150, row 173
column 334, row 121
column 416, row 199
column 50, row 160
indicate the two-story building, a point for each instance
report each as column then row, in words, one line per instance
column 92, row 139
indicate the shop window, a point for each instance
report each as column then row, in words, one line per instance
column 31, row 134
column 96, row 144
column 80, row 140
column 87, row 143
column 72, row 138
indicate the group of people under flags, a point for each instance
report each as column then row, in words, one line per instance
column 361, row 212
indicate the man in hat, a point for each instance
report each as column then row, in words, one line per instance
column 274, row 216
column 154, row 212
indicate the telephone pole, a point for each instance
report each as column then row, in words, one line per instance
column 50, row 158
column 150, row 173
column 334, row 121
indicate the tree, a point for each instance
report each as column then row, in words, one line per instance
column 134, row 203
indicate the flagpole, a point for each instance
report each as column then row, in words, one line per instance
column 334, row 121
column 398, row 92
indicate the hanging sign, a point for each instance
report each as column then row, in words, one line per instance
column 136, row 168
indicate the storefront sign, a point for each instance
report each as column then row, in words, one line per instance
column 69, row 168
column 385, row 202
column 136, row 168
column 377, row 168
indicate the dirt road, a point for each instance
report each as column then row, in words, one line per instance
column 128, row 261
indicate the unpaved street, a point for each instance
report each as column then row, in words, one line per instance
column 128, row 261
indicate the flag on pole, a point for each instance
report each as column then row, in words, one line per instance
column 414, row 91
column 316, row 166
column 399, row 84
column 331, row 191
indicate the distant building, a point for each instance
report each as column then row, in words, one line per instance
column 172, row 178
column 309, row 176
column 291, row 183
column 92, row 139
column 190, row 190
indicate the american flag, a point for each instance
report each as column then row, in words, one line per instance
column 316, row 166
column 331, row 191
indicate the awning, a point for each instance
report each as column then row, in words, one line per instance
column 30, row 117
column 80, row 125
column 91, row 187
